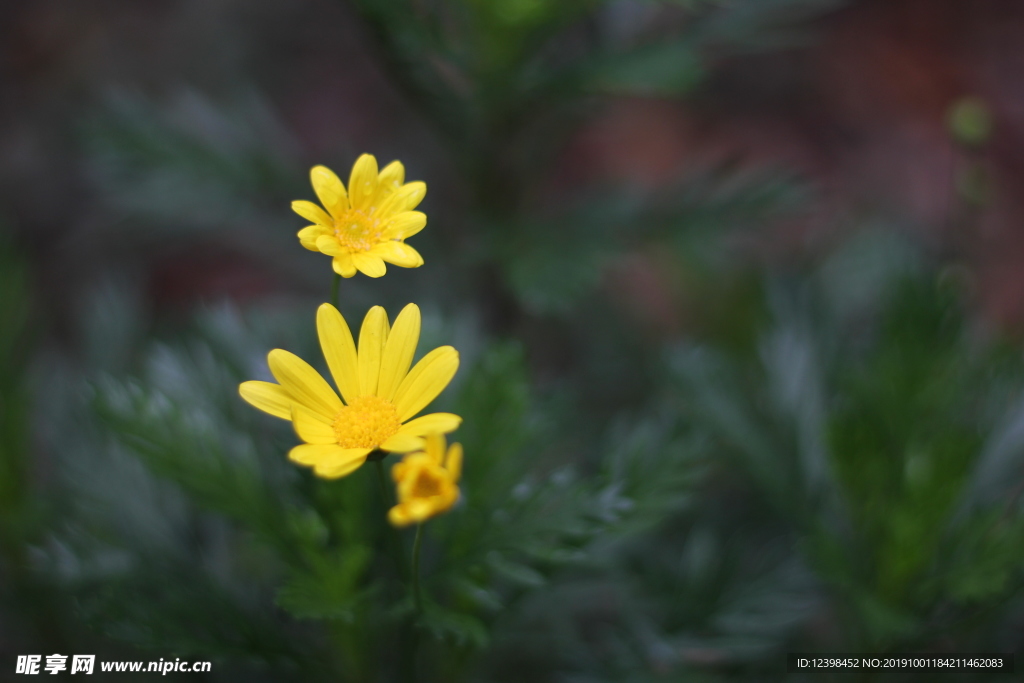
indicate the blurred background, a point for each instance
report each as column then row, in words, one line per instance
column 738, row 287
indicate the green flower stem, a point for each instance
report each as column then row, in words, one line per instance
column 334, row 289
column 411, row 639
column 394, row 543
column 382, row 480
column 417, row 595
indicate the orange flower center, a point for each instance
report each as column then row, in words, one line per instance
column 357, row 231
column 367, row 422
column 427, row 485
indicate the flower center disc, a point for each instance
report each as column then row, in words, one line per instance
column 366, row 423
column 426, row 485
column 357, row 231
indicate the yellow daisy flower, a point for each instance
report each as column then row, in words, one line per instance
column 379, row 393
column 427, row 482
column 367, row 225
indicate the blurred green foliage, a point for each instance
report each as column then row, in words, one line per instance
column 970, row 122
column 869, row 422
column 826, row 456
column 14, row 319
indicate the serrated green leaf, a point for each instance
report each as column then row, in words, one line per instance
column 515, row 572
column 328, row 590
column 462, row 629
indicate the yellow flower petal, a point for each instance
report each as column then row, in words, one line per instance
column 343, row 465
column 399, row 253
column 311, row 427
column 362, row 184
column 402, row 443
column 308, row 235
column 398, row 471
column 303, row 383
column 343, row 265
column 390, row 179
column 398, row 516
column 413, row 461
column 399, row 351
column 425, row 381
column 328, row 244
column 369, row 264
column 405, row 198
column 312, row 212
column 453, row 463
column 405, row 224
column 329, row 461
column 372, row 338
column 435, row 448
column 392, row 176
column 442, row 423
column 407, row 471
column 339, row 350
column 418, row 509
column 268, row 397
column 329, row 189
column 310, row 453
